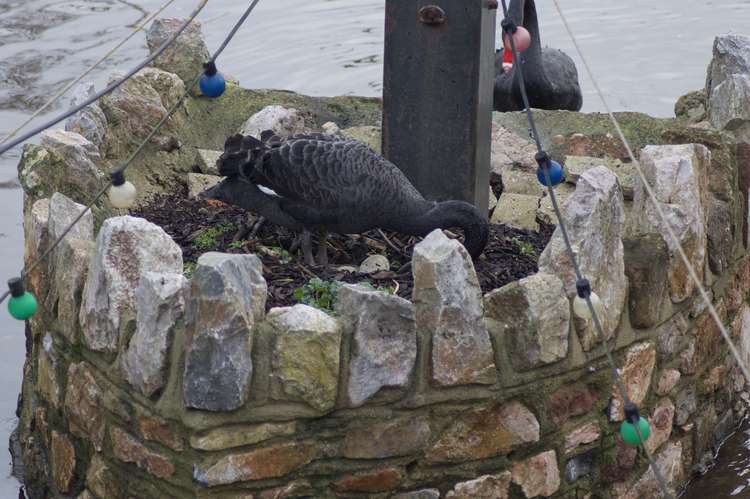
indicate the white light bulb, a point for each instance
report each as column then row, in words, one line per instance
column 122, row 196
column 581, row 308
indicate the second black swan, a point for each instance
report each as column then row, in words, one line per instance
column 550, row 75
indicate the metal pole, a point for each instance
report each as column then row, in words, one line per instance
column 437, row 95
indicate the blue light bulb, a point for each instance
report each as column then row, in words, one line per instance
column 556, row 174
column 212, row 82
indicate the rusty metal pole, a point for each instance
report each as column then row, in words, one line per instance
column 437, row 95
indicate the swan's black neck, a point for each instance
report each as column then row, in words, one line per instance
column 523, row 13
column 447, row 215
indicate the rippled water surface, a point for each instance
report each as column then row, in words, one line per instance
column 645, row 53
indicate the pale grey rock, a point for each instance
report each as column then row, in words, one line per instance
column 531, row 317
column 508, row 150
column 594, row 219
column 579, row 467
column 36, row 241
column 661, row 425
column 160, row 304
column 646, row 266
column 90, row 121
column 492, row 199
column 282, row 121
column 331, row 128
column 71, row 265
column 678, row 177
column 306, row 352
column 186, row 55
column 168, row 85
column 486, row 487
column 667, row 381
column 127, row 247
column 374, row 264
column 522, row 180
column 728, row 107
column 448, row 306
column 686, row 403
column 367, row 134
column 206, row 160
column 63, row 211
column 134, row 109
column 384, row 341
column 69, row 262
column 546, row 211
column 228, row 297
column 583, row 435
column 48, row 381
column 731, row 55
column 81, row 157
column 197, row 183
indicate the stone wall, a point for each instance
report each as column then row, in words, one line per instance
column 142, row 383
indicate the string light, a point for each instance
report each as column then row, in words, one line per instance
column 22, row 304
column 580, row 306
column 635, row 429
column 212, row 83
column 122, row 194
column 554, row 171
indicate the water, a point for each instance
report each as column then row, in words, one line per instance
column 644, row 53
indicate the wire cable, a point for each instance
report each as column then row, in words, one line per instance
column 113, row 86
column 543, row 160
column 70, row 85
column 173, row 109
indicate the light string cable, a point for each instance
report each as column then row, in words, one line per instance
column 135, row 153
column 675, row 240
column 98, row 63
column 54, row 121
column 543, row 160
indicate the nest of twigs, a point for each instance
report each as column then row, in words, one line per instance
column 198, row 226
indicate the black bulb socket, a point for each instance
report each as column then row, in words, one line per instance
column 118, row 178
column 631, row 413
column 542, row 159
column 508, row 26
column 583, row 288
column 209, row 68
column 16, row 287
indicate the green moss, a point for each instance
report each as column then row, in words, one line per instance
column 208, row 239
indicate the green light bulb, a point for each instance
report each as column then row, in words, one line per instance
column 22, row 304
column 630, row 435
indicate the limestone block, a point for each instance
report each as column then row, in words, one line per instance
column 384, row 341
column 228, row 296
column 594, row 219
column 160, row 304
column 532, row 318
column 127, row 248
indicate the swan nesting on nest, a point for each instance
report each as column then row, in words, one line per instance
column 320, row 183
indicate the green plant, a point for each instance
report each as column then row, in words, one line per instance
column 209, row 238
column 236, row 245
column 525, row 247
column 188, row 269
column 318, row 293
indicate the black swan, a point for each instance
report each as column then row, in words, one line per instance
column 550, row 74
column 316, row 182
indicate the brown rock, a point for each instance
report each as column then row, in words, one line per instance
column 661, row 424
column 484, row 487
column 388, row 439
column 129, row 450
column 269, row 462
column 714, row 380
column 706, row 343
column 42, row 424
column 240, row 435
column 583, row 435
column 159, row 430
column 671, row 337
column 493, row 431
column 570, row 401
column 298, row 488
column 668, row 380
column 376, row 481
column 669, row 462
column 646, row 265
column 538, row 475
column 636, row 376
column 63, row 462
column 83, row 405
column 720, row 232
